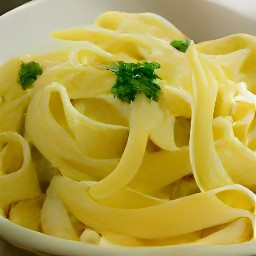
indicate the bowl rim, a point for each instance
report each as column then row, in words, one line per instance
column 65, row 247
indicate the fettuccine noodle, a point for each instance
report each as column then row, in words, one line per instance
column 78, row 163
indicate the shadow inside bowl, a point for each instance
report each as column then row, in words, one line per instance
column 203, row 20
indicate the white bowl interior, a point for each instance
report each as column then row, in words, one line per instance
column 26, row 29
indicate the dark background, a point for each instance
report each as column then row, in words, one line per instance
column 7, row 5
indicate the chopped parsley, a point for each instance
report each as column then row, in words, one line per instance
column 135, row 78
column 181, row 45
column 28, row 73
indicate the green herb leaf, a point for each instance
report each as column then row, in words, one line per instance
column 181, row 45
column 28, row 73
column 134, row 79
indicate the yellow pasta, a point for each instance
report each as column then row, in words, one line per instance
column 78, row 163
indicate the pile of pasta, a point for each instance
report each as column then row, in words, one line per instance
column 78, row 163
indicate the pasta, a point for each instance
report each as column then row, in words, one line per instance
column 78, row 163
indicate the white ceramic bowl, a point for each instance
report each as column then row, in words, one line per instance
column 27, row 30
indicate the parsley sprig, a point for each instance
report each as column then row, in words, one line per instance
column 28, row 73
column 181, row 45
column 135, row 78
